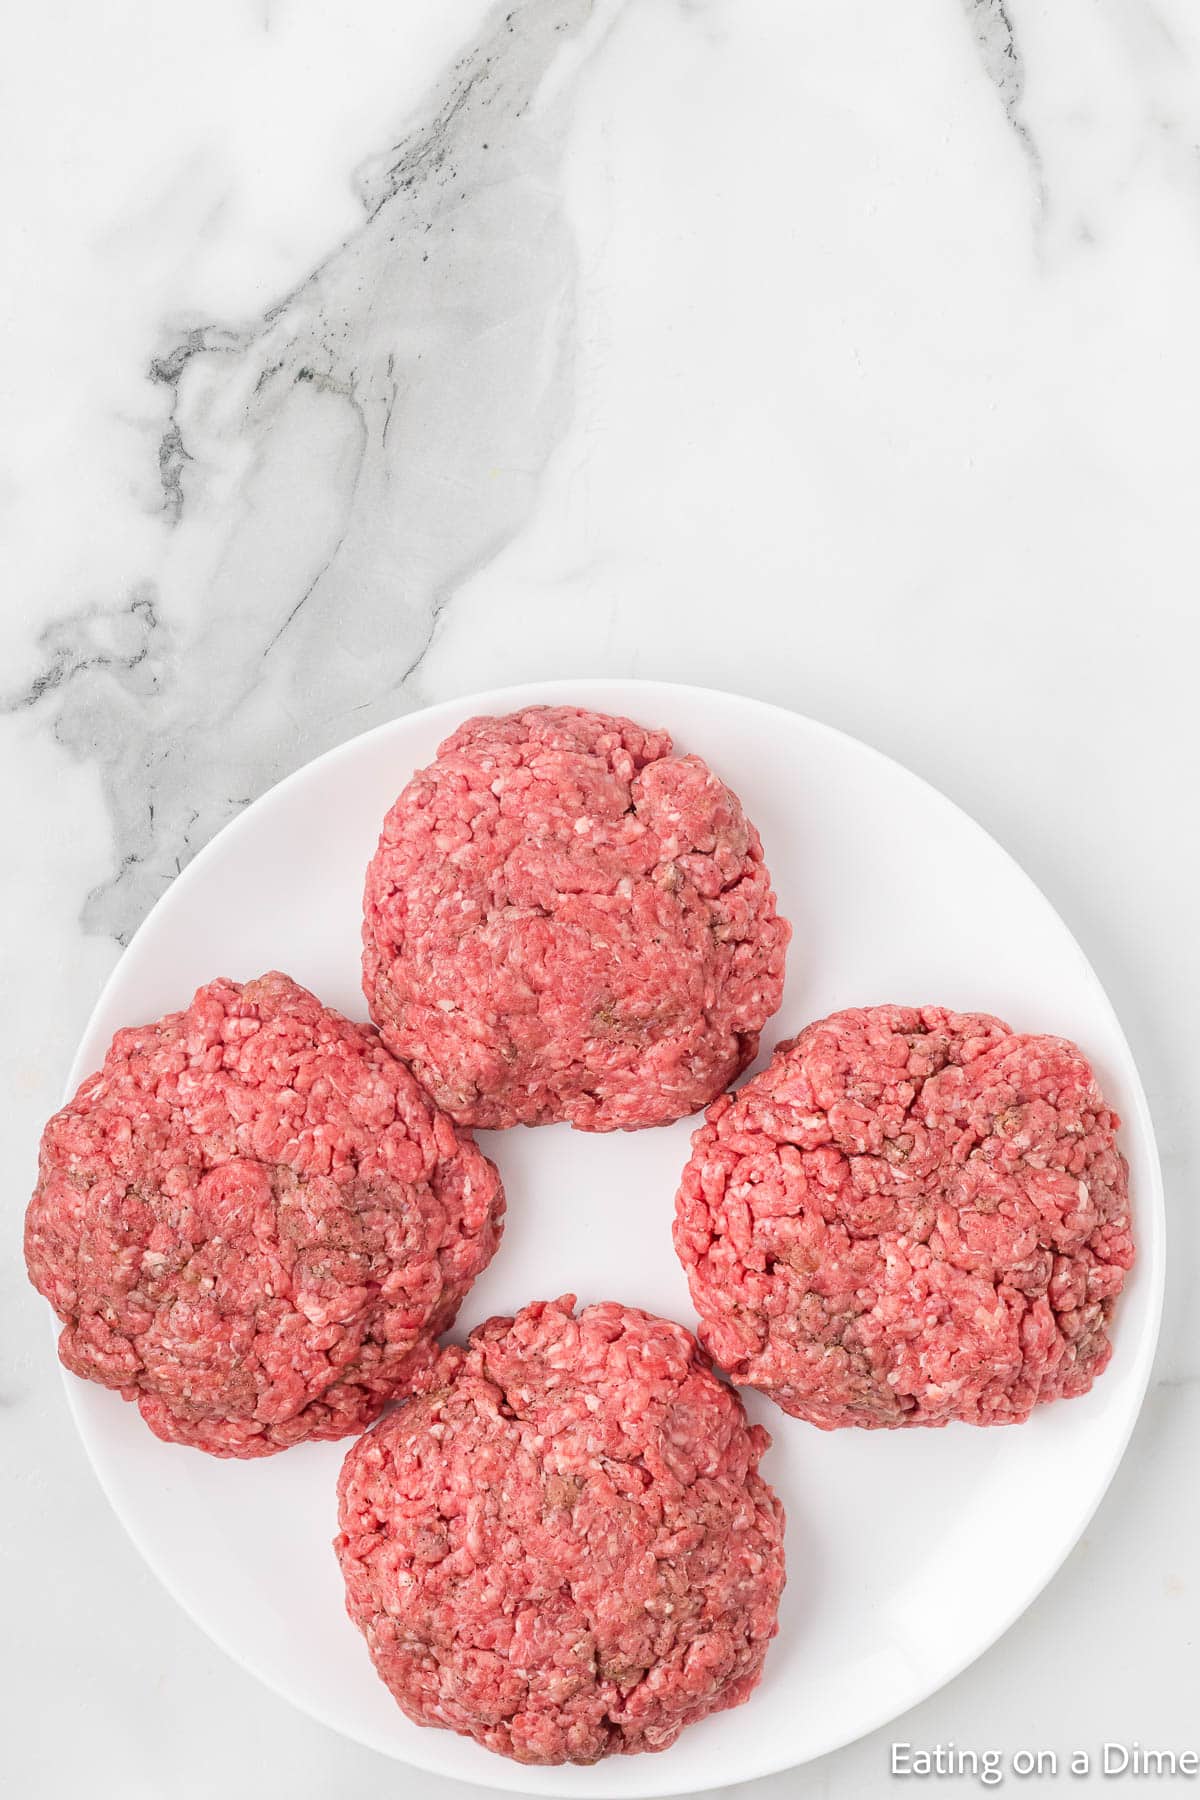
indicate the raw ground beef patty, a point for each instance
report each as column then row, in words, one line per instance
column 565, row 1549
column 911, row 1216
column 565, row 920
column 253, row 1222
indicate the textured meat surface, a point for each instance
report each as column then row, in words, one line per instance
column 565, row 920
column 252, row 1221
column 911, row 1216
column 565, row 1549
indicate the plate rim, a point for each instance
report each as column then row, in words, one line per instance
column 507, row 1775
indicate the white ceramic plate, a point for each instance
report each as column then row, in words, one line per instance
column 908, row 1552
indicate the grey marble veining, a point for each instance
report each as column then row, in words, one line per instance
column 1003, row 62
column 314, row 467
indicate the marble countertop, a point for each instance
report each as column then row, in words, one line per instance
column 357, row 357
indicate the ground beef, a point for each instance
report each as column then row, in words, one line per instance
column 253, row 1223
column 911, row 1216
column 565, row 1550
column 565, row 920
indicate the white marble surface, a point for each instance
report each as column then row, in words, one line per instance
column 357, row 357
